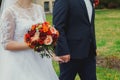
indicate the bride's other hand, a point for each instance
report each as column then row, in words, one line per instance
column 58, row 59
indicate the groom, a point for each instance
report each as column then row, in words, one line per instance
column 76, row 46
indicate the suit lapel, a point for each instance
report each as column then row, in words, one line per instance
column 82, row 2
column 92, row 1
column 85, row 9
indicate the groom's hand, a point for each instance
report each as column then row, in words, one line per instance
column 65, row 58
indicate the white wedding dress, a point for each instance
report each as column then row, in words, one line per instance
column 24, row 64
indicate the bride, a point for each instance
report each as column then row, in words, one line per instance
column 17, row 60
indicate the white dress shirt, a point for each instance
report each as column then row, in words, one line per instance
column 89, row 8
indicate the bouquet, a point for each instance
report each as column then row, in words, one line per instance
column 42, row 37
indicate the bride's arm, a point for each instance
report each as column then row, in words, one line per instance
column 15, row 46
column 7, row 32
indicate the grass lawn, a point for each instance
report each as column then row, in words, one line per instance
column 102, row 73
column 108, row 32
column 108, row 40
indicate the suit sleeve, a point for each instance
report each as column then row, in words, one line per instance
column 60, row 12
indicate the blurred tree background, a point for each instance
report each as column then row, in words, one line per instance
column 111, row 4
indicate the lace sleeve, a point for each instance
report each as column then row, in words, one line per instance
column 7, row 27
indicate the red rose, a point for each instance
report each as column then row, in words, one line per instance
column 49, row 32
column 33, row 44
column 47, row 23
column 32, row 33
column 43, row 35
column 41, row 42
column 27, row 38
column 55, row 37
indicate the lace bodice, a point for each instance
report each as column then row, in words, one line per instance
column 16, row 21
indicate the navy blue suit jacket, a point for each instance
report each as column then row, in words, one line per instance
column 77, row 33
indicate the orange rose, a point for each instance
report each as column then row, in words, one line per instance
column 33, row 27
column 45, row 28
